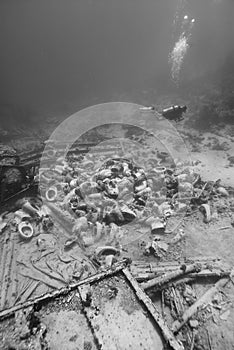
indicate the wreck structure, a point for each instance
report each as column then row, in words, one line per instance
column 92, row 241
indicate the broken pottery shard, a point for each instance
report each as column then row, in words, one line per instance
column 106, row 250
column 141, row 186
column 158, row 227
column 162, row 155
column 160, row 170
column 205, row 208
column 20, row 215
column 110, row 260
column 28, row 208
column 74, row 183
column 80, row 224
column 127, row 213
column 163, row 245
column 103, row 174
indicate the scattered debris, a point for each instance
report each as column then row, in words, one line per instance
column 200, row 303
column 77, row 227
column 156, row 247
column 178, row 237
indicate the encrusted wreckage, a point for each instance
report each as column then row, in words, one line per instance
column 98, row 247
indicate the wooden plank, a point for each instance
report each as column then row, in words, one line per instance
column 206, row 273
column 4, row 254
column 143, row 266
column 167, row 277
column 12, row 290
column 6, row 275
column 30, row 291
column 166, row 332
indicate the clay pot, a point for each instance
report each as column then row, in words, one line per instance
column 160, row 170
column 50, row 153
column 28, row 208
column 51, row 194
column 25, row 230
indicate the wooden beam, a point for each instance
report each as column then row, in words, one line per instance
column 167, row 277
column 166, row 332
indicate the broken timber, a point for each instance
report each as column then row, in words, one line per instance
column 167, row 277
column 199, row 304
column 8, row 255
column 206, row 273
column 166, row 332
column 143, row 267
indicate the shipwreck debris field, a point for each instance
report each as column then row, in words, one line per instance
column 121, row 247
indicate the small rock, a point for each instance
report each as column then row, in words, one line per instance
column 223, row 191
column 163, row 245
column 87, row 345
column 24, row 332
column 85, row 294
column 181, row 207
column 178, row 237
column 194, row 323
column 224, row 316
column 215, row 216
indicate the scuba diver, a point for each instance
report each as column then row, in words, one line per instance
column 170, row 113
column 174, row 113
